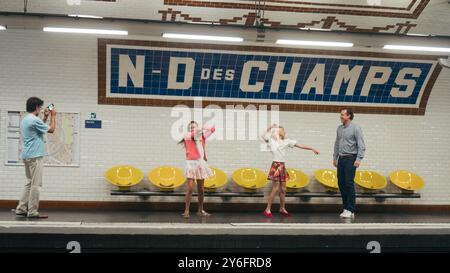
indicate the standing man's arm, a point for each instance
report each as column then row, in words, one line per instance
column 336, row 148
column 361, row 146
column 52, row 121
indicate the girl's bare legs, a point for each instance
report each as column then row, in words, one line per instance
column 188, row 197
column 283, row 197
column 272, row 195
column 201, row 191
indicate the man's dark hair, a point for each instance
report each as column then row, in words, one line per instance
column 349, row 112
column 32, row 103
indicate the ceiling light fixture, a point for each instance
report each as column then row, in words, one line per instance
column 313, row 43
column 202, row 37
column 418, row 48
column 85, row 31
column 85, row 16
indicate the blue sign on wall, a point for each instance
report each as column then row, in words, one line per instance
column 272, row 77
column 93, row 124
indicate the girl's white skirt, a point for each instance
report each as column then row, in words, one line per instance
column 197, row 169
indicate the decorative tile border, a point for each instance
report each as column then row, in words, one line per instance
column 104, row 99
column 249, row 19
column 408, row 7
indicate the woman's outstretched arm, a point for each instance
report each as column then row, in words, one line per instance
column 301, row 146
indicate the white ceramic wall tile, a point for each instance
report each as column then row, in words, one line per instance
column 63, row 69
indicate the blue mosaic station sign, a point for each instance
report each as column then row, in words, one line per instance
column 167, row 73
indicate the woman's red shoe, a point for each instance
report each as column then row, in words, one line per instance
column 268, row 214
column 285, row 214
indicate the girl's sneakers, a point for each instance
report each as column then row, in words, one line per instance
column 203, row 213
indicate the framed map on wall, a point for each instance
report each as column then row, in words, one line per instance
column 62, row 146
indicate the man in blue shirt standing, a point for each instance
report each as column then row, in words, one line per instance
column 33, row 130
column 349, row 149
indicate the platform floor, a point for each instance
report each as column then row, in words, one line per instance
column 131, row 231
column 107, row 216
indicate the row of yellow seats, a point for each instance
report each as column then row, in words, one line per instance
column 250, row 178
column 372, row 181
column 168, row 177
column 165, row 177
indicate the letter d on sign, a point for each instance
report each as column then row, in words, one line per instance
column 173, row 72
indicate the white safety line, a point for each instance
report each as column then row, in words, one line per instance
column 347, row 225
column 317, row 226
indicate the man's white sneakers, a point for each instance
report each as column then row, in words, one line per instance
column 347, row 214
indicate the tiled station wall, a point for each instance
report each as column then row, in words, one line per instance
column 63, row 69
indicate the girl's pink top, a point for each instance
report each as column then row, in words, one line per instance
column 192, row 152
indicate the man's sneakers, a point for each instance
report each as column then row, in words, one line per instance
column 347, row 214
column 19, row 213
column 37, row 216
column 24, row 214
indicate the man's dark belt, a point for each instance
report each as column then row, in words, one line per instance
column 347, row 155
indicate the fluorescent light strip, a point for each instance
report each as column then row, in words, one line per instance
column 85, row 31
column 2, row 27
column 85, row 16
column 315, row 29
column 204, row 23
column 417, row 34
column 314, row 43
column 418, row 48
column 202, row 37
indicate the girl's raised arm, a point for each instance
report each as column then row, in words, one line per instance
column 209, row 131
column 263, row 136
column 193, row 134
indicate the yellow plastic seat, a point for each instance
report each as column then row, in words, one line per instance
column 219, row 179
column 370, row 180
column 124, row 176
column 167, row 177
column 406, row 180
column 328, row 178
column 250, row 178
column 297, row 179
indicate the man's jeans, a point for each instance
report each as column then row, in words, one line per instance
column 346, row 176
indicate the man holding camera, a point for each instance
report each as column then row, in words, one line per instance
column 33, row 130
